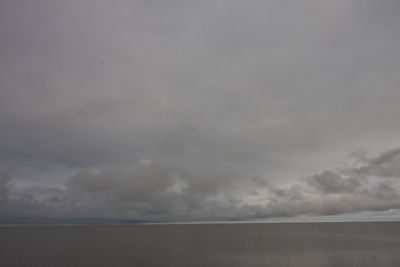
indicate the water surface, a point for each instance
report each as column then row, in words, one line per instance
column 263, row 244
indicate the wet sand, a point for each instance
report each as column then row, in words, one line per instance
column 274, row 244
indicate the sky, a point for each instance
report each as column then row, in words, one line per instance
column 185, row 110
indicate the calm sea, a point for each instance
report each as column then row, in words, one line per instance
column 264, row 244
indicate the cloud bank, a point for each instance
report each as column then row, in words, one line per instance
column 149, row 191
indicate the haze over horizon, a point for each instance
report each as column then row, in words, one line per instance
column 183, row 109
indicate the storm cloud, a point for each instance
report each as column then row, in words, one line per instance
column 198, row 109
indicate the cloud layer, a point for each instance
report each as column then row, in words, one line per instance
column 148, row 191
column 188, row 109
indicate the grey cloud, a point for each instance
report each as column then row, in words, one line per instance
column 385, row 165
column 210, row 94
column 154, row 189
column 385, row 158
column 151, row 191
column 174, row 78
column 5, row 178
column 330, row 182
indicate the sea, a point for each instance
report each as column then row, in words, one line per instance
column 297, row 244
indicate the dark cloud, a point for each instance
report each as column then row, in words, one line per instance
column 385, row 165
column 329, row 182
column 151, row 191
column 5, row 178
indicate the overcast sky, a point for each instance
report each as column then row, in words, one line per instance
column 184, row 109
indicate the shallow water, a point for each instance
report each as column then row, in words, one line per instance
column 273, row 244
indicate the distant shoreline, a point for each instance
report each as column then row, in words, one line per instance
column 100, row 224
